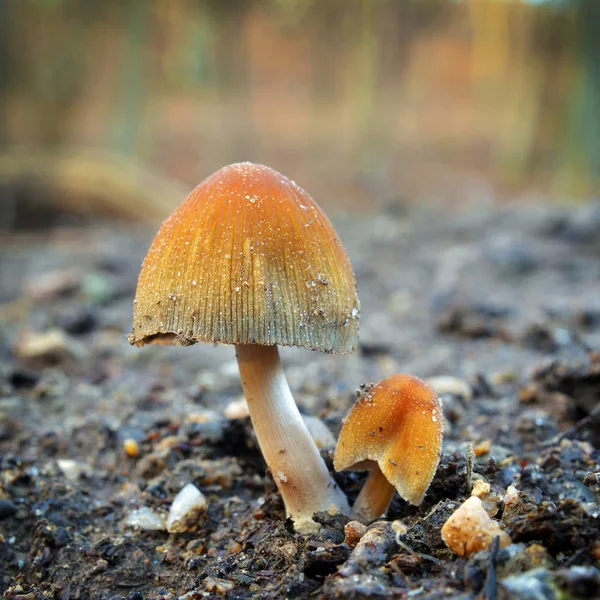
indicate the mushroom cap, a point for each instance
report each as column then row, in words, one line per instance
column 397, row 424
column 247, row 258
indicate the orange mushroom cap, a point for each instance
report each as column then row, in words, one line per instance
column 247, row 258
column 398, row 424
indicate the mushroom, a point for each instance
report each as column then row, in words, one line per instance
column 395, row 431
column 250, row 259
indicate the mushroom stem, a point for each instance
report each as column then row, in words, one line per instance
column 374, row 498
column 291, row 454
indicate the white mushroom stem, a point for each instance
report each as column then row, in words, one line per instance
column 297, row 467
column 374, row 498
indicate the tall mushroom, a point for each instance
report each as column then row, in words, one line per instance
column 250, row 259
column 395, row 432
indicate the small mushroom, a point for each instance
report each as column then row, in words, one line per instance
column 250, row 259
column 395, row 431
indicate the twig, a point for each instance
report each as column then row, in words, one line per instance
column 433, row 510
column 490, row 589
column 416, row 554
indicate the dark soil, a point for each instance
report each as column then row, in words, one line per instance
column 506, row 299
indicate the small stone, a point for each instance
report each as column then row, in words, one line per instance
column 208, row 424
column 220, row 586
column 186, row 509
column 483, row 447
column 537, row 556
column 447, row 384
column 147, row 519
column 164, row 446
column 353, row 531
column 131, row 447
column 516, row 504
column 233, row 547
column 51, row 285
column 536, row 583
column 511, row 495
column 72, row 469
column 101, row 566
column 481, row 488
column 7, row 508
column 238, row 409
column 489, row 500
column 504, row 377
column 50, row 345
column 470, row 529
column 149, row 466
column 78, row 320
column 201, row 417
column 192, row 595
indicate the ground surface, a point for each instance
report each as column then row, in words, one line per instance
column 505, row 299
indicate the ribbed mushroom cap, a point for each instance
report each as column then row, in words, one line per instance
column 247, row 258
column 398, row 424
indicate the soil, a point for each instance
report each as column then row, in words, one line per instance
column 506, row 300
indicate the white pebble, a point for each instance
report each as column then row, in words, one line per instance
column 469, row 529
column 186, row 509
column 238, row 409
column 145, row 518
column 72, row 469
column 446, row 384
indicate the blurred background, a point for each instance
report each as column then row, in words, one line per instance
column 119, row 108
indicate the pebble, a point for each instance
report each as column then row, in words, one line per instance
column 50, row 345
column 49, row 286
column 512, row 493
column 483, row 447
column 220, row 586
column 7, row 508
column 536, row 584
column 470, row 529
column 147, row 519
column 186, row 509
column 516, row 504
column 507, row 376
column 79, row 320
column 193, row 595
column 489, row 500
column 447, row 384
column 481, row 488
column 72, row 469
column 202, row 417
column 98, row 288
column 238, row 409
column 208, row 424
column 131, row 447
column 511, row 560
column 164, row 446
column 353, row 531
